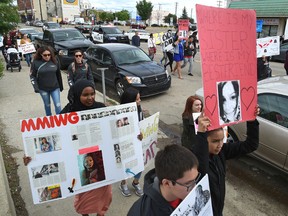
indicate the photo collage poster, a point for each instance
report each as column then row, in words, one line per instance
column 80, row 151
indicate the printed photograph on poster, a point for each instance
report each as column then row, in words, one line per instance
column 48, row 174
column 49, row 193
column 229, row 101
column 91, row 167
column 122, row 126
column 117, row 153
column 197, row 202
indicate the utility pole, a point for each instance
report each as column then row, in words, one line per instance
column 32, row 12
column 219, row 2
column 158, row 14
column 40, row 10
column 56, row 8
column 191, row 12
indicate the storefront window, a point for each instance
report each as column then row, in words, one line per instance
column 268, row 30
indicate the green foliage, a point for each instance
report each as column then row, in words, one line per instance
column 9, row 17
column 167, row 18
column 106, row 16
column 122, row 15
column 184, row 14
column 1, row 68
column 144, row 9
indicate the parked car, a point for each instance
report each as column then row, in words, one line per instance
column 273, row 122
column 138, row 26
column 282, row 56
column 50, row 25
column 144, row 35
column 38, row 23
column 84, row 28
column 63, row 42
column 128, row 65
column 108, row 34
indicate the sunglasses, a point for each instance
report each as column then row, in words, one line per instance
column 78, row 56
column 46, row 55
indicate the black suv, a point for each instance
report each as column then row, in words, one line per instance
column 108, row 34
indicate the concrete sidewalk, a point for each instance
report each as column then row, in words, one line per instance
column 18, row 101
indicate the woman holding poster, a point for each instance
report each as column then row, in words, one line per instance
column 97, row 200
column 28, row 56
column 178, row 55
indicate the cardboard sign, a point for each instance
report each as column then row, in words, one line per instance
column 149, row 130
column 227, row 49
column 63, row 146
column 197, row 202
column 183, row 28
column 27, row 48
column 268, row 46
column 167, row 40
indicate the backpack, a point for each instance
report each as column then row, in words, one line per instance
column 73, row 67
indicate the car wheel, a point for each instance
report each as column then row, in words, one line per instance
column 231, row 137
column 120, row 88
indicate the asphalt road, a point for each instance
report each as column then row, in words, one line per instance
column 253, row 188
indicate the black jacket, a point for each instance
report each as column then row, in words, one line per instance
column 77, row 72
column 152, row 202
column 188, row 138
column 45, row 76
column 215, row 165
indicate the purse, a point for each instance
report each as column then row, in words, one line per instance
column 154, row 50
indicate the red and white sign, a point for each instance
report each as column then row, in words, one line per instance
column 183, row 28
column 228, row 47
column 27, row 48
column 268, row 46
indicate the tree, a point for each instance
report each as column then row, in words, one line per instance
column 106, row 16
column 144, row 9
column 123, row 15
column 8, row 15
column 184, row 14
column 167, row 18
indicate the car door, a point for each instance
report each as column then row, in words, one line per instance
column 92, row 58
column 273, row 121
column 105, row 61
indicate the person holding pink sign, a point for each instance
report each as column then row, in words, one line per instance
column 212, row 154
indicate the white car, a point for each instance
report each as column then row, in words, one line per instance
column 144, row 35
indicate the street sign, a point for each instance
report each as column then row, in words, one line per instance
column 138, row 18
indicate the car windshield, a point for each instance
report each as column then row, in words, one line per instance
column 54, row 25
column 68, row 35
column 130, row 56
column 112, row 30
column 29, row 31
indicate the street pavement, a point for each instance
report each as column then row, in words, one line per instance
column 18, row 101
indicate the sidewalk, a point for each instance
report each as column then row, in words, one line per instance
column 18, row 101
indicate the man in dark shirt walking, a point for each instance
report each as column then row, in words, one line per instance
column 136, row 39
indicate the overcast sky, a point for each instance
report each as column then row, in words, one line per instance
column 130, row 5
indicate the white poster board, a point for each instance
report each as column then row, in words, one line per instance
column 27, row 48
column 149, row 129
column 268, row 46
column 167, row 39
column 197, row 202
column 62, row 145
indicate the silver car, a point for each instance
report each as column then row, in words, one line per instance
column 273, row 120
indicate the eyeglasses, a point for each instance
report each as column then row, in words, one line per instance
column 190, row 186
column 78, row 56
column 46, row 55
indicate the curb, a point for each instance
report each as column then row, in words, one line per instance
column 7, row 207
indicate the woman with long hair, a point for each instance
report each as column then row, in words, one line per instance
column 45, row 76
column 178, row 55
column 193, row 105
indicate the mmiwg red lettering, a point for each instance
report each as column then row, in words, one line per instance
column 49, row 121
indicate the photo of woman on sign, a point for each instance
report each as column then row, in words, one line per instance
column 229, row 102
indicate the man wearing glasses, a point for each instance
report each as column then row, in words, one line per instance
column 175, row 175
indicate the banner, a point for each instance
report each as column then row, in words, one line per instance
column 228, row 47
column 268, row 46
column 149, row 130
column 197, row 202
column 27, row 48
column 80, row 151
column 183, row 28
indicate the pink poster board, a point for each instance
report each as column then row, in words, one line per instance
column 183, row 28
column 227, row 39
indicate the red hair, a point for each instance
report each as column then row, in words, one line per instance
column 188, row 107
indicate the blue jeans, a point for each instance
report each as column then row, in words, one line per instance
column 55, row 94
column 28, row 58
column 190, row 60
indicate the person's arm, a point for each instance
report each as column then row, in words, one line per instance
column 59, row 77
column 89, row 74
column 70, row 75
column 200, row 148
column 33, row 77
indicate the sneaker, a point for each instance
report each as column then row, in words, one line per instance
column 190, row 74
column 124, row 190
column 138, row 189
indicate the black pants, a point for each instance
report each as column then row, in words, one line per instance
column 170, row 57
